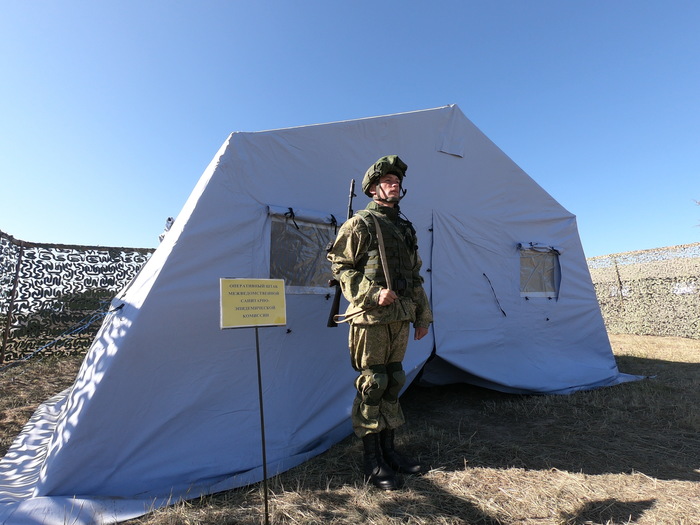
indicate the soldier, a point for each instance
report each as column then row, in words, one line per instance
column 375, row 259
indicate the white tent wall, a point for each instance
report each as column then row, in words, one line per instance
column 540, row 345
column 504, row 341
column 178, row 397
column 166, row 404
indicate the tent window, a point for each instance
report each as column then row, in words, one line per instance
column 298, row 253
column 540, row 272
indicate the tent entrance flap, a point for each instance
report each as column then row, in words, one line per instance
column 470, row 279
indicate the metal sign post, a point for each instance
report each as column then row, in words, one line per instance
column 262, row 427
column 247, row 303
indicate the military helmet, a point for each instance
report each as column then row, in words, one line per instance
column 389, row 164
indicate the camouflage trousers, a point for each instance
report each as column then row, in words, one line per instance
column 376, row 351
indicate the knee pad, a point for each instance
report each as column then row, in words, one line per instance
column 397, row 379
column 371, row 384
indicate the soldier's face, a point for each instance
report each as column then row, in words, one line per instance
column 388, row 188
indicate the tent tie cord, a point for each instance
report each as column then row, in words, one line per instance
column 495, row 296
column 538, row 248
column 290, row 215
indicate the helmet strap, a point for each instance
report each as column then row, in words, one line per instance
column 385, row 198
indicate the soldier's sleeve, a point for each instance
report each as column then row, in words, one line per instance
column 350, row 246
column 424, row 315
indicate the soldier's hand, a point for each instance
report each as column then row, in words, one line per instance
column 420, row 333
column 387, row 297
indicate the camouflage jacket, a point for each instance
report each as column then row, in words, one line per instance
column 352, row 254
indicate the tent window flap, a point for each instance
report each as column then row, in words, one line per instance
column 298, row 252
column 540, row 272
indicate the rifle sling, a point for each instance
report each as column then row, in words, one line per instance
column 349, row 316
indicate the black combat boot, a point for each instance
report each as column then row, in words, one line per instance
column 376, row 470
column 396, row 461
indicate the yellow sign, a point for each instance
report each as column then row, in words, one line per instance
column 252, row 302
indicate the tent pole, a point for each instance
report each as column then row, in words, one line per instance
column 11, row 306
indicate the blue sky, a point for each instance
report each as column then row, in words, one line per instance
column 110, row 111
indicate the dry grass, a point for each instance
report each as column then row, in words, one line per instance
column 24, row 386
column 621, row 455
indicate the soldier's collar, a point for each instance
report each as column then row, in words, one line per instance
column 387, row 211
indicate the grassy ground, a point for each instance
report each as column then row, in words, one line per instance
column 629, row 454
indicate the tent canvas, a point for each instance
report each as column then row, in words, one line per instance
column 165, row 404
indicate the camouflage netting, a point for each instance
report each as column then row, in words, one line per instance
column 650, row 292
column 52, row 292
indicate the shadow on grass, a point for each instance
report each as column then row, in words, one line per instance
column 330, row 489
column 423, row 501
column 649, row 426
column 609, row 511
column 427, row 500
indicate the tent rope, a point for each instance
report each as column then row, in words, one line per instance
column 495, row 296
column 290, row 215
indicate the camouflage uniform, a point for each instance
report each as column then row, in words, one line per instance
column 379, row 334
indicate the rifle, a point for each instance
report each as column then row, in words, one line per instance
column 335, row 307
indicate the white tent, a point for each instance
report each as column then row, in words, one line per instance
column 165, row 405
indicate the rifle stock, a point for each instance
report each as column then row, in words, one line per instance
column 335, row 306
